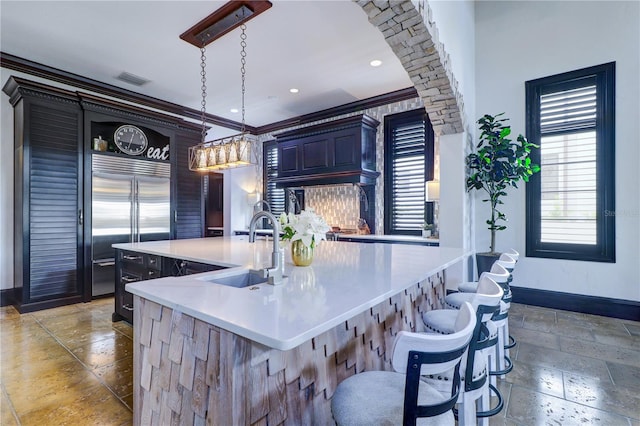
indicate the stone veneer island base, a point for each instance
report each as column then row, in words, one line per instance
column 187, row 371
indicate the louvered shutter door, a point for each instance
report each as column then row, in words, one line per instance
column 189, row 206
column 53, row 203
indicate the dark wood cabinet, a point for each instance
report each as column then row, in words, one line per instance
column 53, row 131
column 48, row 209
column 340, row 151
column 214, row 205
column 133, row 267
column 188, row 189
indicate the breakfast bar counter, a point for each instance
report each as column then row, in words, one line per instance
column 267, row 354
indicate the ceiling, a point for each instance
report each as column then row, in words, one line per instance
column 322, row 48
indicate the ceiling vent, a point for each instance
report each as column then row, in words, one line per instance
column 230, row 16
column 132, row 79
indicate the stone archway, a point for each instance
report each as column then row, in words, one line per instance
column 409, row 30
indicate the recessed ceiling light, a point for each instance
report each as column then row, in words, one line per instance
column 234, row 110
column 375, row 63
column 293, row 90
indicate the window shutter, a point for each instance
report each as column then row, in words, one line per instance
column 568, row 110
column 407, row 176
column 568, row 166
column 274, row 196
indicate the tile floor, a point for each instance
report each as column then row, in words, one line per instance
column 72, row 365
column 65, row 366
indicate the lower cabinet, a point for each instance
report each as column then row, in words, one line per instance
column 133, row 266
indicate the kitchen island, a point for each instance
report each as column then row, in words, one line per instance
column 268, row 354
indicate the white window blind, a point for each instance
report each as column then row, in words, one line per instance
column 274, row 196
column 568, row 166
column 407, row 176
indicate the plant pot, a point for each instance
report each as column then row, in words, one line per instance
column 301, row 255
column 485, row 261
column 426, row 233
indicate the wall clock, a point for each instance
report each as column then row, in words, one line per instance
column 130, row 139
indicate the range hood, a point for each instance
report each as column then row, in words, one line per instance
column 336, row 152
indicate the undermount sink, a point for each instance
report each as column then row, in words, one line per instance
column 241, row 280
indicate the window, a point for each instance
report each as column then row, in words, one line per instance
column 279, row 199
column 274, row 196
column 570, row 203
column 408, row 164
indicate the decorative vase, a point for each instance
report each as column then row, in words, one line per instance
column 301, row 254
column 485, row 261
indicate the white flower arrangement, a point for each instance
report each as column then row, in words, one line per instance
column 306, row 226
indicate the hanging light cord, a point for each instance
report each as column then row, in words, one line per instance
column 243, row 72
column 243, row 61
column 203, row 103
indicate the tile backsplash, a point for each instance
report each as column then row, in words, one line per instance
column 339, row 205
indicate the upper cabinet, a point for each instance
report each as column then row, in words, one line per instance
column 340, row 151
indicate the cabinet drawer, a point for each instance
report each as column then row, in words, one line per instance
column 127, row 277
column 153, row 261
column 130, row 257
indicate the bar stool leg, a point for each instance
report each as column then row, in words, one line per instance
column 485, row 405
column 506, row 339
column 500, row 351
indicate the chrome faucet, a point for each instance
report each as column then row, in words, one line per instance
column 258, row 205
column 274, row 273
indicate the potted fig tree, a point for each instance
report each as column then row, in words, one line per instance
column 497, row 164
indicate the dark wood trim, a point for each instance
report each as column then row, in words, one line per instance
column 113, row 108
column 47, row 304
column 330, row 126
column 199, row 34
column 6, row 297
column 16, row 87
column 375, row 101
column 362, row 177
column 54, row 74
column 605, row 306
column 603, row 76
column 391, row 122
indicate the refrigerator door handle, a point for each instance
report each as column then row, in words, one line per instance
column 136, row 218
column 134, row 213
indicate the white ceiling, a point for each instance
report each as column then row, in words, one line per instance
column 323, row 48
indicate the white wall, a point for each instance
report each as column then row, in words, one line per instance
column 455, row 23
column 6, row 188
column 237, row 184
column 454, row 218
column 538, row 39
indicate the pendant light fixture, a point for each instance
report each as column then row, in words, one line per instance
column 232, row 151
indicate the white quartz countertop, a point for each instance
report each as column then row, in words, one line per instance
column 344, row 280
column 397, row 238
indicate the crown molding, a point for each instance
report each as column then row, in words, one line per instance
column 54, row 74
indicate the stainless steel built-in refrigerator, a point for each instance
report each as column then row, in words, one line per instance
column 130, row 203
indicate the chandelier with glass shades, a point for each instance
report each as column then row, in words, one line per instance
column 236, row 150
